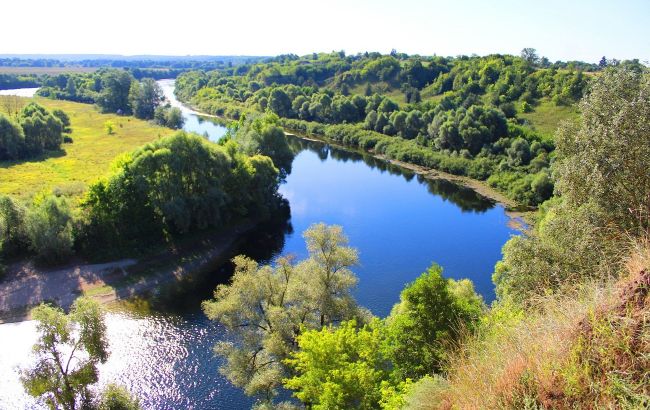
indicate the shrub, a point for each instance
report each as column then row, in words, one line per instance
column 49, row 229
column 116, row 397
column 109, row 127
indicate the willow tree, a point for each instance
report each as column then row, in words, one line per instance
column 266, row 308
column 68, row 350
column 603, row 189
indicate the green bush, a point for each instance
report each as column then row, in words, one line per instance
column 49, row 229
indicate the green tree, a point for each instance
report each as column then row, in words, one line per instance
column 339, row 367
column 49, row 228
column 64, row 118
column 601, row 176
column 12, row 226
column 116, row 397
column 262, row 135
column 266, row 308
column 605, row 157
column 280, row 103
column 174, row 118
column 109, row 127
column 114, row 96
column 144, row 97
column 178, row 184
column 431, row 314
column 519, row 152
column 71, row 88
column 12, row 139
column 43, row 131
column 530, row 55
column 68, row 350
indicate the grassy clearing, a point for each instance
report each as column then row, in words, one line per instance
column 45, row 70
column 547, row 116
column 84, row 160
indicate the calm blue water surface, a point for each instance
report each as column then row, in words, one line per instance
column 399, row 222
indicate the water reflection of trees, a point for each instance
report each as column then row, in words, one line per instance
column 465, row 198
column 263, row 243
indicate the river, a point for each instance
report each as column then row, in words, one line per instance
column 400, row 223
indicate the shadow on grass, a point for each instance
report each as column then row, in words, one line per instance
column 57, row 153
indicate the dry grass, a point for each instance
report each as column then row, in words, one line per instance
column 84, row 160
column 589, row 350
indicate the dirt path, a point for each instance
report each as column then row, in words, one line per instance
column 27, row 285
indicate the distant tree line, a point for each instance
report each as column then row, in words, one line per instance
column 461, row 115
column 115, row 91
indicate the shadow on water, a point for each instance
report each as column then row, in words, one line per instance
column 263, row 243
column 465, row 198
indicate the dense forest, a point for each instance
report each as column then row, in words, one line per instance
column 463, row 115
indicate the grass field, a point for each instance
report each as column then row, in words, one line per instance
column 84, row 160
column 547, row 116
column 45, row 70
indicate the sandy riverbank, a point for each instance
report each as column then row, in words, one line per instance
column 27, row 285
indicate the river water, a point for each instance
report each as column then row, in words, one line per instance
column 400, row 223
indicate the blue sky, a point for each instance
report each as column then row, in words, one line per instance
column 560, row 30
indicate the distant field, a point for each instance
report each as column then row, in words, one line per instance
column 84, row 160
column 45, row 70
column 548, row 116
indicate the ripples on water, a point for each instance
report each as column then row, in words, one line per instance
column 166, row 361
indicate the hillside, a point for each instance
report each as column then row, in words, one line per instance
column 490, row 118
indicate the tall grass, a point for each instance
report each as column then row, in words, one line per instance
column 590, row 349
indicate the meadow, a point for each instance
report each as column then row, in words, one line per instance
column 78, row 163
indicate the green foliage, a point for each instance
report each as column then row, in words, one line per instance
column 68, row 351
column 64, row 118
column 36, row 131
column 262, row 135
column 48, row 225
column 456, row 109
column 601, row 170
column 109, row 127
column 115, row 91
column 43, row 131
column 12, row 139
column 179, row 184
column 266, row 308
column 432, row 313
column 339, row 368
column 13, row 237
column 605, row 158
column 116, row 397
column 144, row 97
column 170, row 117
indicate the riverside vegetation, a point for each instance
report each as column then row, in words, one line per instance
column 472, row 116
column 152, row 192
column 568, row 330
column 575, row 290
